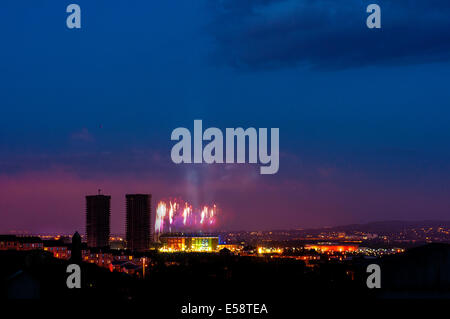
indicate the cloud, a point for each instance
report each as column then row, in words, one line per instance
column 328, row 34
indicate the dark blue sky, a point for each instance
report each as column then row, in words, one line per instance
column 363, row 114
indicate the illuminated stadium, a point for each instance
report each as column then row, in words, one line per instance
column 332, row 248
column 177, row 242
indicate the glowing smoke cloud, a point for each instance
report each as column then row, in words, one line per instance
column 177, row 215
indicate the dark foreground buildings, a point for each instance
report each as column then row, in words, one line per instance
column 138, row 221
column 98, row 212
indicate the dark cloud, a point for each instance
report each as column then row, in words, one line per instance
column 328, row 34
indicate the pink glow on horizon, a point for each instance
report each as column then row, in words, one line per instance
column 53, row 201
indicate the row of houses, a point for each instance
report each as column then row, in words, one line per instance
column 12, row 242
column 114, row 260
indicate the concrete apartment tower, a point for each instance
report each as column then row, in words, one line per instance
column 138, row 225
column 98, row 213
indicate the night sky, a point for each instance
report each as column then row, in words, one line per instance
column 363, row 114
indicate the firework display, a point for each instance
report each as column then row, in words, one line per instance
column 178, row 215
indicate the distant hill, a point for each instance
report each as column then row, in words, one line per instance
column 390, row 226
